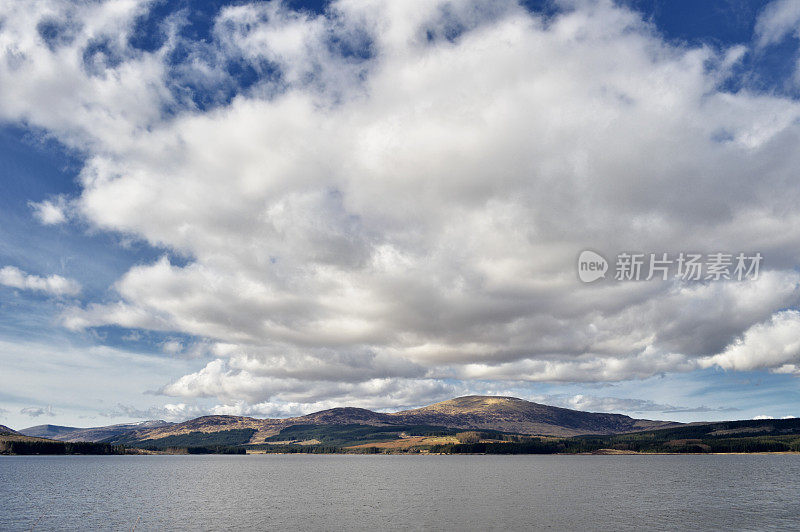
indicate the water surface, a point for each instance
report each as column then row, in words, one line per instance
column 343, row 492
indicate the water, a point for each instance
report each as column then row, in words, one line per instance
column 339, row 492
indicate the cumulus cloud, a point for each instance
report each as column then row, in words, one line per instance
column 397, row 202
column 773, row 344
column 53, row 284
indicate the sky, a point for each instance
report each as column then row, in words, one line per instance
column 272, row 208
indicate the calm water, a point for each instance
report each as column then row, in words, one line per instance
column 335, row 492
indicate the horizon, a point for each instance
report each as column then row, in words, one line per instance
column 268, row 209
column 382, row 411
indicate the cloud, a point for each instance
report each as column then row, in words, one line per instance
column 772, row 344
column 50, row 212
column 172, row 347
column 133, row 336
column 777, row 20
column 166, row 412
column 591, row 403
column 53, row 285
column 83, row 379
column 68, row 68
column 369, row 219
column 37, row 411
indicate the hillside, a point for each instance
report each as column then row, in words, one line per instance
column 93, row 434
column 6, row 430
column 16, row 444
column 510, row 414
column 504, row 414
column 745, row 436
column 472, row 424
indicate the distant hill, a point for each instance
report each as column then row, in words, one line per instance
column 744, row 436
column 11, row 444
column 506, row 414
column 510, row 414
column 47, row 431
column 471, row 424
column 6, row 430
column 93, row 434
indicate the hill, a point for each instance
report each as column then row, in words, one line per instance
column 774, row 435
column 510, row 414
column 745, row 436
column 93, row 434
column 503, row 414
column 11, row 444
column 471, row 424
column 6, row 430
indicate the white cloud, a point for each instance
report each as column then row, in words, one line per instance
column 53, row 284
column 172, row 347
column 776, row 21
column 168, row 412
column 50, row 212
column 84, row 84
column 773, row 344
column 591, row 403
column 375, row 224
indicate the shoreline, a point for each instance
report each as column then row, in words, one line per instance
column 260, row 453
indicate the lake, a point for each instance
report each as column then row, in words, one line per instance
column 367, row 492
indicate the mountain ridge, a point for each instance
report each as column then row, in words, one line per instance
column 472, row 412
column 508, row 414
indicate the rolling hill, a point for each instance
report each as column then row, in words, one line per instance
column 471, row 424
column 6, row 430
column 510, row 414
column 93, row 434
column 505, row 414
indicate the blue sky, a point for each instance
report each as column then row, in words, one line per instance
column 269, row 209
